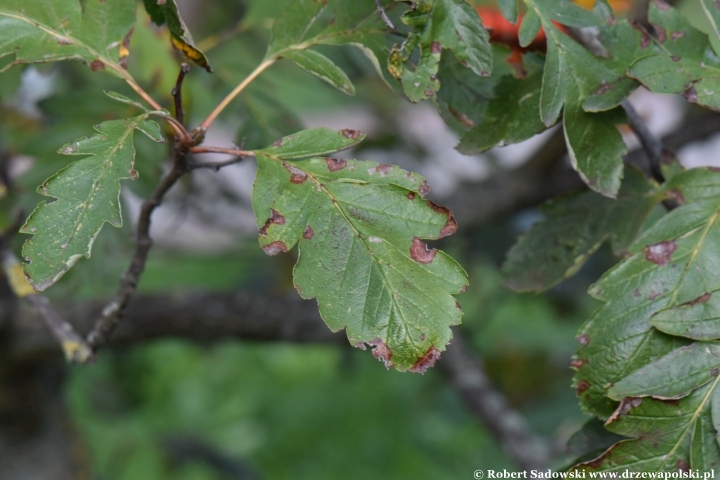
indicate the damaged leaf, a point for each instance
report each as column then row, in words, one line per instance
column 166, row 12
column 360, row 228
column 438, row 25
column 555, row 249
column 683, row 61
column 93, row 31
column 87, row 196
column 571, row 75
column 672, row 264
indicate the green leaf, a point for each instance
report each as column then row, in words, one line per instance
column 359, row 227
column 683, row 61
column 449, row 24
column 35, row 31
column 668, row 436
column 712, row 12
column 322, row 67
column 673, row 263
column 509, row 9
column 166, row 12
column 572, row 74
column 529, row 28
column 511, row 116
column 575, row 227
column 314, row 142
column 673, row 376
column 87, row 193
column 292, row 25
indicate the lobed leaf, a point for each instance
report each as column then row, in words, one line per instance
column 359, row 226
column 87, row 193
column 438, row 25
column 683, row 61
column 35, row 31
column 166, row 12
column 575, row 227
column 672, row 264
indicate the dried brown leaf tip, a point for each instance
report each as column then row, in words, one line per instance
column 334, row 164
column 274, row 248
column 348, row 133
column 426, row 361
column 420, row 252
column 660, row 252
column 424, row 188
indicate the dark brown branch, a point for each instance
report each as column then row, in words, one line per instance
column 650, row 143
column 177, row 93
column 207, row 317
column 466, row 374
column 113, row 312
column 215, row 165
column 384, row 16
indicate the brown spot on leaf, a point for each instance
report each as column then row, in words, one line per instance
column 604, row 87
column 64, row 41
column 676, row 195
column 584, row 339
column 450, row 226
column 662, row 4
column 660, row 33
column 582, row 386
column 627, row 404
column 677, row 35
column 463, row 289
column 660, row 252
column 420, row 252
column 275, row 219
column 714, row 371
column 636, row 293
column 653, row 294
column 683, row 465
column 577, row 363
column 296, row 175
column 646, row 40
column 675, row 58
column 691, row 94
column 334, row 164
column 429, row 93
column 457, row 305
column 134, row 174
column 277, row 142
column 714, row 169
column 96, row 65
column 274, row 248
column 436, row 47
column 308, row 233
column 410, row 195
column 701, row 299
column 348, row 133
column 381, row 352
column 422, row 337
column 424, row 188
column 360, row 345
column 426, row 361
column 383, row 169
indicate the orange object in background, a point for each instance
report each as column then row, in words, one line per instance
column 506, row 33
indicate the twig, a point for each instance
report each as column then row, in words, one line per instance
column 229, row 151
column 650, row 143
column 177, row 93
column 384, row 16
column 215, row 165
column 230, row 96
column 466, row 374
column 74, row 346
column 113, row 312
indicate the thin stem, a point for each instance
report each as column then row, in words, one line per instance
column 650, row 143
column 384, row 16
column 228, row 151
column 113, row 312
column 177, row 93
column 236, row 91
